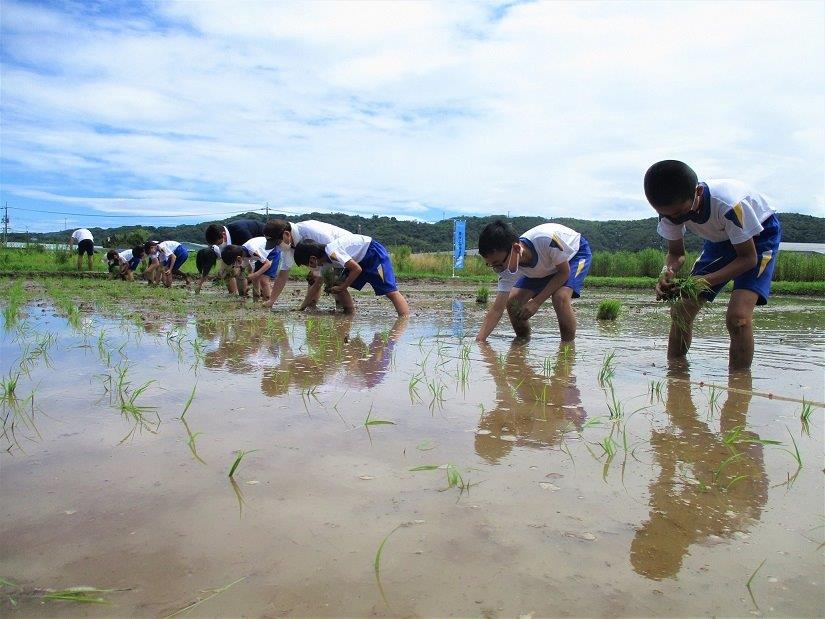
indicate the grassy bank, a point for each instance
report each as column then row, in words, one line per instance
column 799, row 274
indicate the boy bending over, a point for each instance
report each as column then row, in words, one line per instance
column 363, row 259
column 548, row 261
column 742, row 235
column 261, row 261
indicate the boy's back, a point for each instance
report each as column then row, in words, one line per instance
column 730, row 211
column 550, row 244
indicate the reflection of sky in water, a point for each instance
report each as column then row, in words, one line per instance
column 523, row 408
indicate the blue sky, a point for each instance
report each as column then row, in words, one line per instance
column 124, row 112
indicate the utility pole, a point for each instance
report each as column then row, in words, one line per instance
column 5, row 223
column 267, row 210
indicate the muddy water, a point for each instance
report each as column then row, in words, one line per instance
column 543, row 519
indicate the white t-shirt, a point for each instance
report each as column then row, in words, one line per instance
column 125, row 255
column 314, row 230
column 82, row 234
column 349, row 247
column 256, row 248
column 734, row 213
column 551, row 244
column 167, row 248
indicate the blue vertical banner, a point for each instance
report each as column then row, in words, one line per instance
column 459, row 242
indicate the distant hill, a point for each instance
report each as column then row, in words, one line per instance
column 426, row 237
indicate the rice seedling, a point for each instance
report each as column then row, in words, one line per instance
column 750, row 581
column 482, row 294
column 713, row 398
column 437, row 390
column 805, row 415
column 377, row 564
column 540, row 395
column 238, row 459
column 687, row 288
column 608, row 367
column 454, row 477
column 608, row 309
column 412, row 387
column 795, row 453
column 191, row 441
column 78, row 595
column 8, row 388
column 15, row 299
column 189, row 401
column 655, row 390
column 370, row 421
column 608, row 445
column 200, row 600
column 717, row 472
column 614, row 405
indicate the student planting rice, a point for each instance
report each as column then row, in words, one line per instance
column 166, row 259
column 263, row 264
column 218, row 236
column 125, row 263
column 363, row 259
column 85, row 245
column 288, row 235
column 548, row 261
column 741, row 234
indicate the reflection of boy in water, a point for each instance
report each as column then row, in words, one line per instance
column 518, row 412
column 683, row 512
column 326, row 346
column 368, row 364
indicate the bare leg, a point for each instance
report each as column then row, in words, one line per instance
column 89, row 261
column 266, row 287
column 345, row 300
column 739, row 320
column 681, row 328
column 518, row 297
column 562, row 303
column 79, row 262
column 399, row 302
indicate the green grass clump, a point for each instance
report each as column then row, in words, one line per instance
column 482, row 294
column 608, row 309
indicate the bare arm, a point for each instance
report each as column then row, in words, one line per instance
column 353, row 271
column 557, row 281
column 278, row 287
column 493, row 316
column 745, row 260
column 313, row 293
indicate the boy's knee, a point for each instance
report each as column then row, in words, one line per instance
column 737, row 322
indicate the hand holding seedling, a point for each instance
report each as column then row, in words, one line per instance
column 338, row 289
column 665, row 286
column 529, row 309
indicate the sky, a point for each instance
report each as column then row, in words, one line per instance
column 179, row 112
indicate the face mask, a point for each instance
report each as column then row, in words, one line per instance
column 507, row 264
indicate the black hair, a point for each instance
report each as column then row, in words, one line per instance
column 496, row 236
column 149, row 244
column 669, row 182
column 111, row 254
column 138, row 250
column 230, row 254
column 205, row 260
column 306, row 249
column 275, row 228
column 213, row 233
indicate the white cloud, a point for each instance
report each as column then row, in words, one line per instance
column 411, row 108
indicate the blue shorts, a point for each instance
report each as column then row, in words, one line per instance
column 181, row 254
column 579, row 267
column 134, row 263
column 714, row 256
column 376, row 270
column 275, row 258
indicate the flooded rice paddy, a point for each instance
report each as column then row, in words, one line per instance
column 396, row 468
